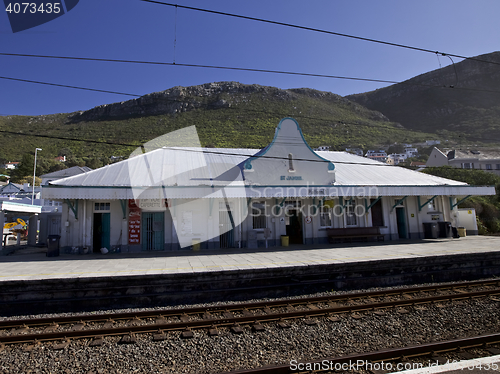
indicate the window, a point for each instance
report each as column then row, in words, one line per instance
column 259, row 215
column 325, row 216
column 290, row 162
column 101, row 207
column 498, row 166
column 466, row 165
column 488, row 166
column 350, row 214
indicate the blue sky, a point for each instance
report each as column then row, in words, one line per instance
column 136, row 30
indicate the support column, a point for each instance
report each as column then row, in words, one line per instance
column 32, row 229
column 2, row 223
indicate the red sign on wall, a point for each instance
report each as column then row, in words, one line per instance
column 134, row 223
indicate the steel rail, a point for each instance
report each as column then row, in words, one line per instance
column 235, row 321
column 383, row 355
column 237, row 306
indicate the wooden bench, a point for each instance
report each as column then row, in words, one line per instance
column 354, row 233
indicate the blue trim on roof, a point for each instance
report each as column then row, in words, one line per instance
column 248, row 163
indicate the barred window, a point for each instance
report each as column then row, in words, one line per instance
column 350, row 215
column 325, row 216
column 259, row 215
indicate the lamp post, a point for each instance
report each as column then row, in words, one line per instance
column 34, row 174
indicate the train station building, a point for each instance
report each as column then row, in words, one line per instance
column 167, row 197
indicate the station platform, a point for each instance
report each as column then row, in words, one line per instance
column 30, row 281
column 30, row 264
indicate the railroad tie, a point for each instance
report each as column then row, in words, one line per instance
column 160, row 320
column 187, row 334
column 78, row 327
column 257, row 327
column 21, row 330
column 212, row 331
column 61, row 346
column 31, row 346
column 237, row 329
column 246, row 313
column 127, row 339
column 310, row 322
column 493, row 350
column 283, row 324
column 51, row 328
column 159, row 336
column 97, row 341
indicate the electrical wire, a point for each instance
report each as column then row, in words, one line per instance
column 407, row 82
column 186, row 149
column 320, row 31
column 67, row 86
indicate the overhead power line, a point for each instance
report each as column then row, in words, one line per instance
column 320, row 31
column 204, row 150
column 67, row 86
column 238, row 69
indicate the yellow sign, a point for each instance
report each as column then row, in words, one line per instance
column 329, row 203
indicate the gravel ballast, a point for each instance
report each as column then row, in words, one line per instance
column 229, row 351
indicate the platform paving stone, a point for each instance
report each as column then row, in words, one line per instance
column 23, row 264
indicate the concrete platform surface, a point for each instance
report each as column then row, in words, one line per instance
column 32, row 263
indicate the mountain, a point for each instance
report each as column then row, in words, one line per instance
column 460, row 100
column 226, row 114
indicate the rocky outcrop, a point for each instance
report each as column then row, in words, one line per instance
column 210, row 96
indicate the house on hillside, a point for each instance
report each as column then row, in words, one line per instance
column 379, row 155
column 190, row 197
column 396, row 158
column 487, row 160
column 9, row 165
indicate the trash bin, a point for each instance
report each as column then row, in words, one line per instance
column 431, row 230
column 53, row 245
column 445, row 230
column 285, row 240
column 462, row 232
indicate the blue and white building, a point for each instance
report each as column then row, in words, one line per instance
column 190, row 197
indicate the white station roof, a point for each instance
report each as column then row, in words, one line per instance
column 191, row 172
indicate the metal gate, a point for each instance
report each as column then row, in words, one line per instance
column 152, row 232
column 226, row 226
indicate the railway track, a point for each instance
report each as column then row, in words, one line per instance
column 236, row 316
column 384, row 360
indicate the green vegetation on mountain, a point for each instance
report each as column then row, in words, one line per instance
column 460, row 102
column 225, row 114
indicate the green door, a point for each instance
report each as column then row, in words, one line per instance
column 153, row 232
column 102, row 230
column 401, row 219
column 106, row 230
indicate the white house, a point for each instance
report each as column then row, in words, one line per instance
column 178, row 197
column 378, row 155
